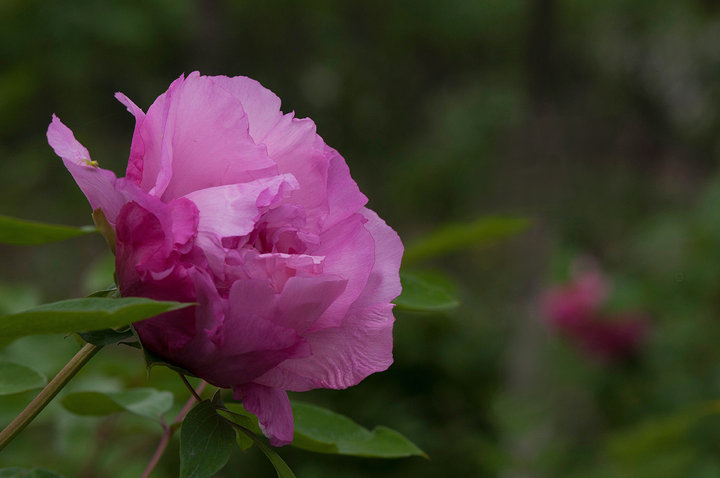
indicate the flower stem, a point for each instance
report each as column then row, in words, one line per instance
column 168, row 430
column 47, row 393
column 190, row 387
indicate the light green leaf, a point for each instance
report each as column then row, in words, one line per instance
column 16, row 297
column 82, row 314
column 429, row 291
column 15, row 378
column 111, row 292
column 27, row 233
column 237, row 414
column 243, row 441
column 146, row 402
column 325, row 426
column 480, row 233
column 206, row 441
column 22, row 473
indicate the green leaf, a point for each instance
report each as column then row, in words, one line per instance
column 242, row 440
column 483, row 232
column 109, row 336
column 15, row 378
column 329, row 428
column 427, row 291
column 146, row 402
column 246, row 426
column 152, row 360
column 206, row 441
column 281, row 468
column 20, row 232
column 92, row 404
column 237, row 414
column 22, row 473
column 111, row 292
column 17, row 297
column 643, row 441
column 323, row 431
column 82, row 314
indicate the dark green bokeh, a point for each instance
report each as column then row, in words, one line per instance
column 597, row 119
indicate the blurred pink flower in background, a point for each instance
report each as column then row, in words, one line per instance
column 576, row 310
column 232, row 204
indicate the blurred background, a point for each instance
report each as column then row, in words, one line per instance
column 597, row 120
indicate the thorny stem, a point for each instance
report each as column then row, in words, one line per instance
column 47, row 393
column 168, row 430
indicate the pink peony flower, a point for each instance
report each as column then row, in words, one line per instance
column 234, row 205
column 575, row 310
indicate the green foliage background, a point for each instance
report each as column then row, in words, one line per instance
column 598, row 120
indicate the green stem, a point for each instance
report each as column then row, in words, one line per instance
column 47, row 394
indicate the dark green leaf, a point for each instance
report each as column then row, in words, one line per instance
column 247, row 431
column 643, row 440
column 329, row 428
column 428, row 291
column 206, row 441
column 107, row 336
column 146, row 402
column 94, row 404
column 480, row 233
column 15, row 378
column 21, row 232
column 22, row 473
column 82, row 314
column 152, row 360
column 281, row 468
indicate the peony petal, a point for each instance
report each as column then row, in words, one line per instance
column 98, row 185
column 232, row 210
column 134, row 169
column 384, row 282
column 275, row 267
column 349, row 251
column 185, row 218
column 341, row 356
column 298, row 150
column 304, row 299
column 63, row 141
column 261, row 105
column 248, row 343
column 291, row 142
column 343, row 196
column 206, row 141
column 147, row 267
column 272, row 407
column 156, row 161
